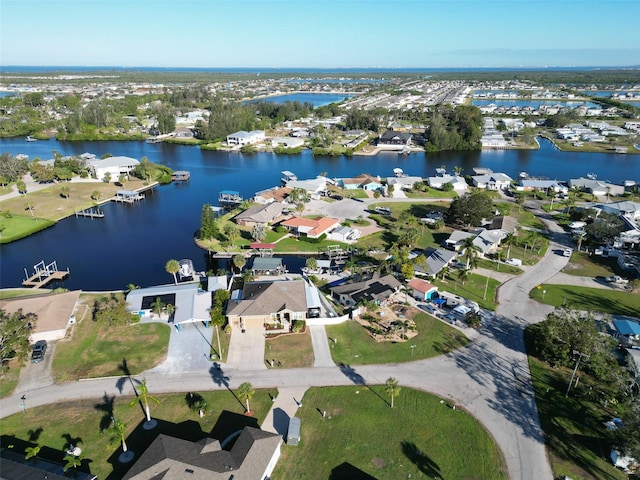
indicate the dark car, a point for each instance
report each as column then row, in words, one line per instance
column 37, row 354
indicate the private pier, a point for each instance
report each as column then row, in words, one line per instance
column 44, row 274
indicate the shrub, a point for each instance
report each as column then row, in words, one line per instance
column 298, row 326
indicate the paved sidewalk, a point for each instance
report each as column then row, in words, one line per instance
column 284, row 408
column 321, row 350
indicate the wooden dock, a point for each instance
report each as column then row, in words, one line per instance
column 91, row 213
column 128, row 196
column 180, row 176
column 44, row 274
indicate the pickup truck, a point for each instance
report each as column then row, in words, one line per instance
column 616, row 279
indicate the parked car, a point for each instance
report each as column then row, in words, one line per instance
column 616, row 279
column 516, row 262
column 567, row 252
column 39, row 349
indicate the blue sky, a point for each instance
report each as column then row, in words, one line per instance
column 320, row 33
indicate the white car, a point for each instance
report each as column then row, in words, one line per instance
column 567, row 252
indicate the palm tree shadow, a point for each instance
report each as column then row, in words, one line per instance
column 358, row 379
column 34, row 435
column 69, row 441
column 421, row 460
column 107, row 407
column 220, row 379
column 124, row 368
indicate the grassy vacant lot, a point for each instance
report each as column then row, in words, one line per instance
column 97, row 349
column 292, row 244
column 351, row 344
column 473, row 289
column 575, row 437
column 22, row 292
column 20, row 226
column 82, row 420
column 584, row 265
column 292, row 351
column 419, row 438
column 49, row 203
column 619, row 302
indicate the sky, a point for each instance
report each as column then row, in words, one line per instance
column 320, row 33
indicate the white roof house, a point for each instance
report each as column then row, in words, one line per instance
column 312, row 185
column 492, row 181
column 114, row 166
column 596, row 187
column 628, row 209
column 242, row 138
column 192, row 304
column 459, row 183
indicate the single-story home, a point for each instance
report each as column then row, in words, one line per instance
column 596, row 187
column 114, row 166
column 310, row 227
column 459, row 184
column 243, row 138
column 273, row 305
column 403, row 183
column 422, row 290
column 530, row 185
column 345, row 234
column 315, row 186
column 191, row 303
column 626, row 330
column 55, row 313
column 276, row 194
column 363, row 181
column 376, row 289
column 627, row 209
column 259, row 215
column 492, row 181
column 437, row 259
column 267, row 266
column 253, row 455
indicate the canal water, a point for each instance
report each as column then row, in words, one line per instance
column 133, row 242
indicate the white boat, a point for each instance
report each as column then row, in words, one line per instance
column 31, row 139
column 398, row 172
column 523, row 175
column 288, row 176
column 592, row 176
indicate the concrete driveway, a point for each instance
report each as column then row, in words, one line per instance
column 321, row 351
column 34, row 375
column 189, row 349
column 246, row 350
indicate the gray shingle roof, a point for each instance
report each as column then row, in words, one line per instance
column 263, row 298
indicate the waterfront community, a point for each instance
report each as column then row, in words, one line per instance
column 308, row 278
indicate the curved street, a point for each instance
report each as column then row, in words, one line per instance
column 489, row 378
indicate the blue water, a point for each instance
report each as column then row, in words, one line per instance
column 316, row 99
column 339, row 80
column 133, row 242
column 529, row 103
column 7, row 94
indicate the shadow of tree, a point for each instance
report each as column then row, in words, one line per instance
column 220, row 379
column 69, row 440
column 346, row 471
column 107, row 408
column 421, row 460
column 34, row 435
column 349, row 372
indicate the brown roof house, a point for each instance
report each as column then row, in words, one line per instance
column 253, row 457
column 259, row 214
column 55, row 313
column 271, row 305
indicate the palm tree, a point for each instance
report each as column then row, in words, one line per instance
column 509, row 240
column 119, row 430
column 170, row 309
column 21, row 186
column 239, row 261
column 232, row 232
column 311, row 264
column 131, row 287
column 392, row 388
column 463, row 274
column 259, row 232
column 29, row 206
column 173, row 267
column 444, row 271
column 457, row 170
column 71, row 461
column 470, row 250
column 143, row 391
column 157, row 307
column 32, row 451
column 245, row 392
column 64, row 191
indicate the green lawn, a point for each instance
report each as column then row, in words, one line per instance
column 225, row 340
column 9, row 382
column 98, row 350
column 619, row 302
column 419, row 438
column 573, row 429
column 22, row 292
column 292, row 244
column 53, row 423
column 473, row 288
column 584, row 265
column 291, row 350
column 15, row 227
column 432, row 193
column 351, row 344
column 499, row 266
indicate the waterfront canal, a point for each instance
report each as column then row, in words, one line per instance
column 133, row 242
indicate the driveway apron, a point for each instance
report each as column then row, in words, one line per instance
column 246, row 350
column 189, row 349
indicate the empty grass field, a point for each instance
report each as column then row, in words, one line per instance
column 291, row 351
column 620, row 302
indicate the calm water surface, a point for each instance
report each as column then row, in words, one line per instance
column 133, row 242
column 316, row 99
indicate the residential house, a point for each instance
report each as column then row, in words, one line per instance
column 345, row 234
column 422, row 290
column 273, row 305
column 487, row 241
column 403, row 183
column 253, row 456
column 287, row 142
column 315, row 186
column 113, row 166
column 596, row 187
column 243, row 138
column 275, row 194
column 260, row 215
column 310, row 227
column 376, row 289
column 459, row 184
column 627, row 209
column 14, row 466
column 55, row 313
column 392, row 140
column 267, row 265
column 505, row 223
column 627, row 331
column 492, row 181
column 531, row 185
column 363, row 181
column 436, row 260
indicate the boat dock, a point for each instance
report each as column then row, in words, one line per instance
column 229, row 199
column 128, row 196
column 44, row 274
column 180, row 176
column 91, row 213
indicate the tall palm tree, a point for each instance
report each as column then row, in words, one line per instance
column 463, row 274
column 239, row 261
column 173, row 267
column 157, row 307
column 470, row 251
column 143, row 391
column 509, row 240
column 29, row 206
column 65, row 191
column 392, row 388
column 245, row 392
column 119, row 430
column 170, row 309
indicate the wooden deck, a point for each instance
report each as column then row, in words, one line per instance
column 38, row 280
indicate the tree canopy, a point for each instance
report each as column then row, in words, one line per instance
column 470, row 209
column 15, row 329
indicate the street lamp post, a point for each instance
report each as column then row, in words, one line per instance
column 23, row 406
column 544, row 292
column 412, row 348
